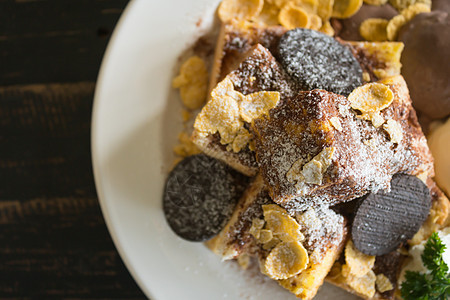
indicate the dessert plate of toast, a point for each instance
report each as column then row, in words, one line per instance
column 244, row 150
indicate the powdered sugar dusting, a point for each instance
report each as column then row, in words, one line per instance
column 322, row 228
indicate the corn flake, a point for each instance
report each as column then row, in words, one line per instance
column 388, row 53
column 415, row 9
column 254, row 105
column 402, row 4
column 327, row 29
column 279, row 3
column 371, row 97
column 383, row 283
column 374, row 117
column 336, row 123
column 271, row 244
column 312, row 171
column 244, row 261
column 185, row 147
column 375, row 2
column 220, row 115
column 359, row 264
column 309, row 6
column 255, row 229
column 192, row 82
column 374, row 29
column 364, row 285
column 346, row 8
column 394, row 129
column 242, row 139
column 394, row 25
column 286, row 260
column 325, row 9
column 366, row 77
column 292, row 16
column 269, row 14
column 239, row 9
column 227, row 110
column 315, row 22
column 282, row 225
column 265, row 236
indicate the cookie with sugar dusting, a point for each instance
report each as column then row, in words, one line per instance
column 318, row 61
column 200, row 195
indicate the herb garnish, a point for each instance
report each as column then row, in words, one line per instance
column 432, row 286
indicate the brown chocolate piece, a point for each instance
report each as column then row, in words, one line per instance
column 384, row 220
column 426, row 62
column 442, row 5
column 390, row 266
column 364, row 158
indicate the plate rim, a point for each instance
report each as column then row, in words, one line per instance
column 95, row 152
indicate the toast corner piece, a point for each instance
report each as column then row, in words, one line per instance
column 306, row 284
column 235, row 239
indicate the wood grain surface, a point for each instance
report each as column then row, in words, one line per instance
column 53, row 240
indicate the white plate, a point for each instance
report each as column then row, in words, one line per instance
column 136, row 119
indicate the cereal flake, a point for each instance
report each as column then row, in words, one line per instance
column 383, row 283
column 359, row 264
column 402, row 4
column 371, row 97
column 364, row 285
column 336, row 123
column 374, row 29
column 375, row 2
column 227, row 111
column 192, row 82
column 286, row 260
column 239, row 9
column 393, row 27
column 346, row 9
column 394, row 129
column 312, row 171
column 292, row 16
column 374, row 117
column 282, row 225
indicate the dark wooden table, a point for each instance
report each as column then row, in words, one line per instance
column 53, row 239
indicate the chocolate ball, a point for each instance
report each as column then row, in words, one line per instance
column 442, row 5
column 426, row 63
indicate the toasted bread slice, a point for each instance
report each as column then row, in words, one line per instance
column 235, row 239
column 325, row 234
column 355, row 156
column 246, row 53
column 259, row 71
column 306, row 284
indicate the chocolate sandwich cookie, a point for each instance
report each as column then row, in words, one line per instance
column 200, row 195
column 386, row 219
column 317, row 61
